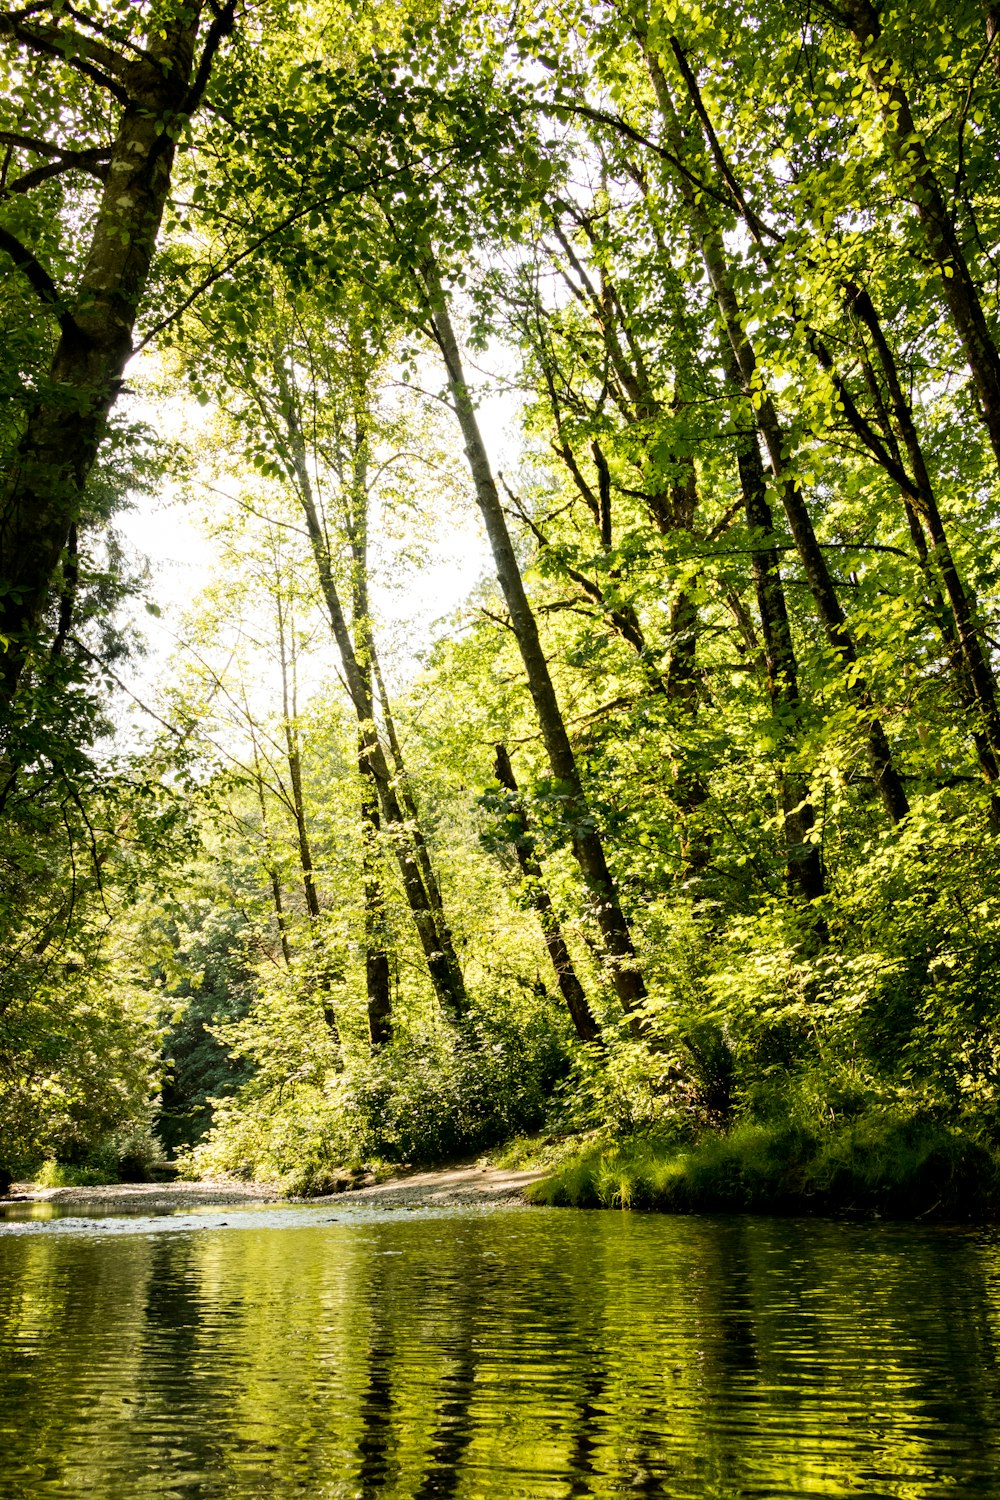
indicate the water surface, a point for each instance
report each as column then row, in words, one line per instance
column 489, row 1354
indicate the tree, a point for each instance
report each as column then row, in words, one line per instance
column 148, row 71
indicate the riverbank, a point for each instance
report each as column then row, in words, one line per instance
column 145, row 1197
column 447, row 1187
column 878, row 1165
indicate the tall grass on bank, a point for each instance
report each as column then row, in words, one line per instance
column 890, row 1166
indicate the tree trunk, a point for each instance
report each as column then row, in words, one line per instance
column 527, row 857
column 804, row 865
column 978, row 669
column 289, row 707
column 448, row 982
column 405, row 793
column 960, row 293
column 378, row 989
column 272, row 869
column 378, row 984
column 690, row 793
column 42, row 496
column 821, row 583
column 294, row 757
column 586, row 841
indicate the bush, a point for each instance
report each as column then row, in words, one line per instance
column 883, row 1163
column 129, row 1153
column 419, row 1101
column 56, row 1174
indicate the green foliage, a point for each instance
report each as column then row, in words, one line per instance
column 128, row 1153
column 887, row 1163
column 438, row 1098
column 79, row 1014
column 754, row 502
column 54, row 1174
column 198, row 1067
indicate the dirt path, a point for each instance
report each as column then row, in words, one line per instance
column 446, row 1187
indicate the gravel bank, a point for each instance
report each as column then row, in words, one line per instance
column 448, row 1187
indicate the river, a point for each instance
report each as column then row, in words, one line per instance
column 494, row 1353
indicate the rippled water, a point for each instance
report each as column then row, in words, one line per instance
column 496, row 1354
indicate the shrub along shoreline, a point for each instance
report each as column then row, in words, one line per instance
column 887, row 1166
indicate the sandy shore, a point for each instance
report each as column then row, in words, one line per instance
column 447, row 1187
column 145, row 1197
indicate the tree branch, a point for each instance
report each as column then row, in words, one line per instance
column 70, row 161
column 222, row 25
column 756, row 226
column 97, row 62
column 602, row 117
column 39, row 280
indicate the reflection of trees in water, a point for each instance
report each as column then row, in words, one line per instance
column 587, row 1415
column 70, row 1365
column 870, row 1343
column 416, row 1370
column 428, row 1362
column 190, row 1397
column 420, row 1369
column 736, row 1350
column 624, row 1322
column 454, row 1421
column 375, row 1407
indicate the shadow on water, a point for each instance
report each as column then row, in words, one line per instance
column 483, row 1356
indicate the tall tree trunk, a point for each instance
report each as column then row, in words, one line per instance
column 271, row 866
column 42, row 495
column 293, row 755
column 673, row 510
column 804, row 865
column 378, row 981
column 962, row 640
column 978, row 668
column 958, row 288
column 378, row 988
column 690, row 792
column 289, row 706
column 448, row 981
column 818, row 575
column 586, row 841
column 527, row 857
column 404, row 791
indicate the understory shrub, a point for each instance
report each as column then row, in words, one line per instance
column 129, row 1153
column 883, row 1163
column 418, row 1101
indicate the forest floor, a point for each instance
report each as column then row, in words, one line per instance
column 446, row 1187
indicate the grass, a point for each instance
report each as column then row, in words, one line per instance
column 530, row 1152
column 883, row 1164
column 55, row 1174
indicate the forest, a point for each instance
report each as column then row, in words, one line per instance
column 577, row 734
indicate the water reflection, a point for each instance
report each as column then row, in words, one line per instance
column 493, row 1355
